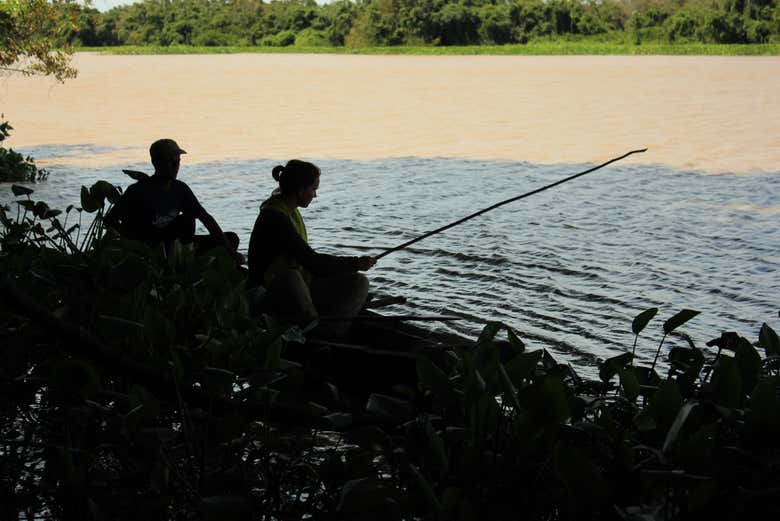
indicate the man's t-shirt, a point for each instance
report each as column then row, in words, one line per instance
column 148, row 207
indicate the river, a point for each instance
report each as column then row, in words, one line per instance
column 409, row 143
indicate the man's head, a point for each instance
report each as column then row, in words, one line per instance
column 166, row 154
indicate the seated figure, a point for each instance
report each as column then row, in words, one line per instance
column 161, row 208
column 300, row 284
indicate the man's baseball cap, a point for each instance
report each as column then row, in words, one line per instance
column 165, row 149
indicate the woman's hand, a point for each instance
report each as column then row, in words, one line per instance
column 365, row 262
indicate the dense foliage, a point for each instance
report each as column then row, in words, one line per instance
column 426, row 22
column 33, row 36
column 15, row 166
column 135, row 385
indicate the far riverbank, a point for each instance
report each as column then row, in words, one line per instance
column 578, row 48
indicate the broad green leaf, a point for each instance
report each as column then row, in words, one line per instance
column 89, row 202
column 666, row 403
column 509, row 389
column 40, row 209
column 389, row 408
column 339, row 420
column 427, row 490
column 679, row 422
column 768, row 339
column 489, row 332
column 727, row 383
column 764, row 405
column 225, row 508
column 136, row 175
column 641, row 320
column 749, row 362
column 611, row 366
column 575, row 469
column 73, row 378
column 27, row 205
column 360, row 496
column 436, row 447
column 679, row 319
column 515, row 341
column 522, row 367
column 369, row 437
column 629, row 383
column 434, row 379
column 217, row 381
column 21, row 190
column 103, row 190
column 144, row 405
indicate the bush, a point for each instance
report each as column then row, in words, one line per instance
column 13, row 165
column 280, row 39
column 312, row 38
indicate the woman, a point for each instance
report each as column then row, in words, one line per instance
column 300, row 284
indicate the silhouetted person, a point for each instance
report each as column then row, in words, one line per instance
column 300, row 283
column 163, row 209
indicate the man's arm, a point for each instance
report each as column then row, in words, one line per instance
column 214, row 229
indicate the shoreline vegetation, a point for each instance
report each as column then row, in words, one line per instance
column 533, row 27
column 529, row 49
column 137, row 386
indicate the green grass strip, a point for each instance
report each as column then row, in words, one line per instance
column 531, row 49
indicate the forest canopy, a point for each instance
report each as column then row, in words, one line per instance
column 365, row 23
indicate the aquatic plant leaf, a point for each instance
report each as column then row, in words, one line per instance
column 489, row 332
column 629, row 382
column 427, row 490
column 574, row 468
column 217, row 381
column 104, row 190
column 666, row 403
column 73, row 378
column 339, row 420
column 768, row 339
column 727, row 383
column 40, row 209
column 679, row 319
column 433, row 378
column 369, row 437
column 764, row 407
column 137, row 175
column 21, row 190
column 89, row 202
column 679, row 422
column 225, row 508
column 749, row 362
column 436, row 447
column 611, row 366
column 515, row 341
column 641, row 320
column 389, row 408
column 509, row 389
column 727, row 340
column 26, row 204
column 360, row 496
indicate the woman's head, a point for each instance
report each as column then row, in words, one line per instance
column 299, row 179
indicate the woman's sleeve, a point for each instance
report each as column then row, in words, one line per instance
column 285, row 235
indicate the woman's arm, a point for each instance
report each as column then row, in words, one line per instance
column 281, row 232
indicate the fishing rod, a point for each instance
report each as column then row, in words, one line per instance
column 502, row 203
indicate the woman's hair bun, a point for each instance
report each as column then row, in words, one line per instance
column 277, row 172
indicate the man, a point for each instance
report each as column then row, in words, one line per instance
column 161, row 208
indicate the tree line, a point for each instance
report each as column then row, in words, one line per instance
column 365, row 23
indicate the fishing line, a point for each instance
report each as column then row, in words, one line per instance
column 507, row 201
